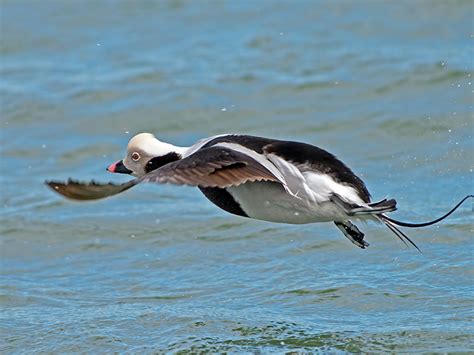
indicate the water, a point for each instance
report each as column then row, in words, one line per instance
column 384, row 85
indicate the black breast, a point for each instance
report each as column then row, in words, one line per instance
column 221, row 198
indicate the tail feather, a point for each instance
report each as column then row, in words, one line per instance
column 384, row 203
column 375, row 208
column 402, row 236
column 425, row 224
column 383, row 206
column 392, row 223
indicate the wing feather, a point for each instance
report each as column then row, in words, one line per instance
column 86, row 191
column 215, row 166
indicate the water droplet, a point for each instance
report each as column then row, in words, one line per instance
column 132, row 236
column 224, row 109
column 127, row 132
column 297, row 213
column 282, row 343
column 98, row 44
column 43, row 146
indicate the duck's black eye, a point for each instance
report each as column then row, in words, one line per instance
column 135, row 156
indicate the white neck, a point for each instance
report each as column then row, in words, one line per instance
column 180, row 150
column 159, row 148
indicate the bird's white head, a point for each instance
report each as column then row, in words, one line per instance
column 144, row 154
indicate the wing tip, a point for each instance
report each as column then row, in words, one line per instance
column 54, row 185
column 87, row 191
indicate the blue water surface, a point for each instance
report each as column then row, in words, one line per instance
column 384, row 85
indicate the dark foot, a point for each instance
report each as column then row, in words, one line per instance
column 352, row 233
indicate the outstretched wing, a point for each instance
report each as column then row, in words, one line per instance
column 215, row 166
column 85, row 191
column 209, row 167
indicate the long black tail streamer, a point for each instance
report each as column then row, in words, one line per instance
column 417, row 225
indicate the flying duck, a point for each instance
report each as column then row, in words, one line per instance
column 255, row 177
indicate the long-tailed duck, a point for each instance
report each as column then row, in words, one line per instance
column 255, row 177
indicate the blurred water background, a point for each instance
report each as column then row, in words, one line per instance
column 384, row 85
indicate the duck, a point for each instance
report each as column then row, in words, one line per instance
column 255, row 177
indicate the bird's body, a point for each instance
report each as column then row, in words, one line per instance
column 255, row 177
column 260, row 178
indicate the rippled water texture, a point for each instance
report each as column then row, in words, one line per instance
column 384, row 85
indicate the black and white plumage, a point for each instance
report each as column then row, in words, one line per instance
column 255, row 177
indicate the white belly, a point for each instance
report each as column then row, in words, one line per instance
column 269, row 201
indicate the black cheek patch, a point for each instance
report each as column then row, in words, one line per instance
column 158, row 162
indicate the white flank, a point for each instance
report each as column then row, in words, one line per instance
column 323, row 185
